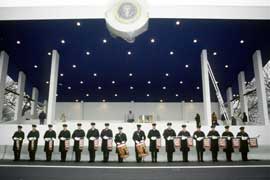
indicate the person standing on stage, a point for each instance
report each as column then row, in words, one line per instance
column 229, row 147
column 153, row 135
column 18, row 138
column 214, row 136
column 49, row 138
column 42, row 116
column 64, row 137
column 169, row 135
column 33, row 136
column 184, row 134
column 244, row 149
column 199, row 136
column 120, row 138
column 106, row 134
column 138, row 137
column 78, row 137
column 92, row 136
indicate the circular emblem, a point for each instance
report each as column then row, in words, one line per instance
column 127, row 11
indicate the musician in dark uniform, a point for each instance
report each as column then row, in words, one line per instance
column 18, row 138
column 63, row 136
column 92, row 135
column 33, row 136
column 105, row 135
column 184, row 134
column 229, row 147
column 120, row 138
column 169, row 135
column 153, row 135
column 138, row 136
column 214, row 136
column 198, row 135
column 78, row 135
column 49, row 138
column 244, row 149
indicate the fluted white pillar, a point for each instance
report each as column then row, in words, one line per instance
column 20, row 97
column 242, row 91
column 35, row 93
column 229, row 103
column 3, row 76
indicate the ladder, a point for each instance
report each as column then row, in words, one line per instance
column 218, row 94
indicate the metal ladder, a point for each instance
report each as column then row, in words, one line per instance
column 218, row 94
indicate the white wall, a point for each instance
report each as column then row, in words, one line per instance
column 118, row 111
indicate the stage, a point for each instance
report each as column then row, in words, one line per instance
column 255, row 170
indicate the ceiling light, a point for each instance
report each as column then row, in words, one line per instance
column 60, row 84
column 226, row 66
column 95, row 74
column 148, row 82
column 167, row 74
column 177, row 23
column 103, row 100
column 152, row 40
column 113, row 82
column 81, row 82
column 161, row 100
column 115, row 95
column 129, row 52
column 61, row 74
column 99, row 88
column 171, row 52
column 198, row 87
column 176, row 95
column 87, row 95
column 104, row 41
column 78, row 24
column 191, row 100
column 186, row 66
column 242, row 41
column 147, row 95
column 69, row 87
column 87, row 53
column 164, row 87
column 47, row 82
column 35, row 66
column 63, row 41
column 130, row 74
column 131, row 87
column 181, row 82
column 49, row 53
column 18, row 42
column 195, row 40
column 74, row 66
column 214, row 53
column 76, row 100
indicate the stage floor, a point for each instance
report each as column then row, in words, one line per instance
column 24, row 170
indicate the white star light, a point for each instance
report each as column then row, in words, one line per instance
column 186, row 66
column 35, row 66
column 18, row 42
column 78, row 24
column 226, row 66
column 61, row 74
column 129, row 52
column 87, row 95
column 69, row 87
column 195, row 40
column 152, row 40
column 99, row 88
column 147, row 95
column 167, row 74
column 130, row 74
column 63, row 41
column 81, row 82
column 131, row 87
column 164, row 87
column 242, row 41
column 87, row 53
column 49, row 53
column 171, row 52
column 74, row 66
column 148, row 82
column 176, row 95
column 181, row 82
column 214, row 53
column 177, row 23
column 115, row 95
column 95, row 74
column 113, row 82
column 104, row 41
column 197, row 87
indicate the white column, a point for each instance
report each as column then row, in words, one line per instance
column 20, row 97
column 242, row 91
column 260, row 87
column 206, row 89
column 45, row 106
column 3, row 75
column 34, row 103
column 53, row 87
column 229, row 103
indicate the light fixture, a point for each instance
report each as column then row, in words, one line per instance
column 131, row 87
column 74, row 66
column 226, row 66
column 81, row 82
column 95, row 74
column 214, row 53
column 181, row 82
column 177, row 23
column 176, row 95
column 69, row 87
column 129, row 52
column 49, row 53
column 99, row 87
column 115, row 95
column 147, row 95
column 104, row 41
column 63, row 41
column 61, row 74
column 167, row 74
column 87, row 95
column 197, row 87
column 186, row 66
column 148, row 82
column 18, row 42
column 242, row 41
column 161, row 100
column 87, row 53
column 47, row 82
column 35, row 66
column 113, row 82
column 76, row 100
column 130, row 74
column 103, row 100
column 164, row 87
column 152, row 40
column 171, row 52
column 195, row 40
column 191, row 100
column 78, row 23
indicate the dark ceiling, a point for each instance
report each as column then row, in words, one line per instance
column 147, row 62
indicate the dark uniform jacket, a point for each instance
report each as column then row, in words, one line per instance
column 199, row 144
column 49, row 134
column 42, row 116
column 91, row 143
column 32, row 134
column 229, row 146
column 153, row 145
column 119, row 138
column 64, row 134
column 109, row 134
column 78, row 133
column 138, row 136
column 243, row 143
column 18, row 134
column 169, row 143
column 214, row 142
column 184, row 144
